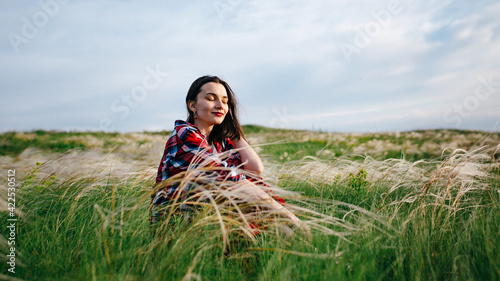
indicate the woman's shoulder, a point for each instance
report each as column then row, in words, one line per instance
column 181, row 124
column 182, row 127
column 186, row 131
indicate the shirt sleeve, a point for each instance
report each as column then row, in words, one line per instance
column 194, row 150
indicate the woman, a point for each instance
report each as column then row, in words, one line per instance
column 211, row 131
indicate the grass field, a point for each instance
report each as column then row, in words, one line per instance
column 420, row 205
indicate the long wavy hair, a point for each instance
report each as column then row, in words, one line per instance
column 230, row 127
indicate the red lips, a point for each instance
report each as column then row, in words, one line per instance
column 218, row 114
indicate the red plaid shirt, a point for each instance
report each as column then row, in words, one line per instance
column 187, row 146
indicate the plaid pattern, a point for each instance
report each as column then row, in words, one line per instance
column 187, row 145
column 187, row 148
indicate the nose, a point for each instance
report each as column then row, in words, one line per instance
column 218, row 104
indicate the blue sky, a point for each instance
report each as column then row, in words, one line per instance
column 347, row 66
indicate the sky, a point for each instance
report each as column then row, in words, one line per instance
column 335, row 66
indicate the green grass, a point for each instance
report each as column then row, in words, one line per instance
column 11, row 145
column 296, row 150
column 256, row 129
column 288, row 144
column 395, row 227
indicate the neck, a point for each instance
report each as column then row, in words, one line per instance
column 204, row 128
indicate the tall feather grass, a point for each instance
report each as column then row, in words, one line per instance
column 85, row 216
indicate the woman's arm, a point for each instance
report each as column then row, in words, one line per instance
column 248, row 155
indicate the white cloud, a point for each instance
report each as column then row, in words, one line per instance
column 275, row 54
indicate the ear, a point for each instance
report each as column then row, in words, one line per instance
column 191, row 105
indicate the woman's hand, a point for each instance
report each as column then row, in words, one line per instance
column 248, row 155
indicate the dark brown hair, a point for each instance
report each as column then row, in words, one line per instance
column 230, row 127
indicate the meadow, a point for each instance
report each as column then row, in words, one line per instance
column 419, row 205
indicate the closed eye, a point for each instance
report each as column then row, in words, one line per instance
column 212, row 97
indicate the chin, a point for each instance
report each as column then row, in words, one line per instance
column 219, row 121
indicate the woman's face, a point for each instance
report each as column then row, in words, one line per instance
column 211, row 104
